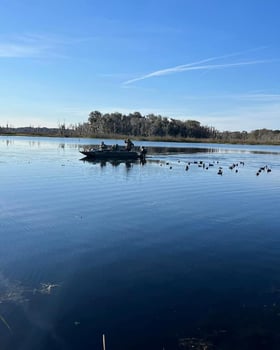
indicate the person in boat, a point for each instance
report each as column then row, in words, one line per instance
column 143, row 151
column 102, row 146
column 115, row 147
column 129, row 144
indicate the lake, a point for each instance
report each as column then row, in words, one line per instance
column 154, row 255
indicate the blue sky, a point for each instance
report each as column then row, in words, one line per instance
column 214, row 61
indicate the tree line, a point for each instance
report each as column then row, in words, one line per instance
column 151, row 127
column 138, row 125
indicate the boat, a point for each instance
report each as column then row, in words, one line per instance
column 113, row 154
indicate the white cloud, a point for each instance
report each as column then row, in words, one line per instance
column 35, row 45
column 25, row 46
column 18, row 50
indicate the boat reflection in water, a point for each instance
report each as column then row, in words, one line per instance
column 114, row 162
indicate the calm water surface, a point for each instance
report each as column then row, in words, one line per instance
column 153, row 256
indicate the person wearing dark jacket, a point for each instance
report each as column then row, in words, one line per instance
column 129, row 144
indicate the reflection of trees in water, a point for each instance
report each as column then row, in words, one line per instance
column 37, row 142
column 64, row 145
column 9, row 142
column 182, row 150
column 153, row 150
column 34, row 144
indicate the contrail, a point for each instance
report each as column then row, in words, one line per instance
column 191, row 67
column 197, row 65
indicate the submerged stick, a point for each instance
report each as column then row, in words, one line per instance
column 103, row 340
column 5, row 323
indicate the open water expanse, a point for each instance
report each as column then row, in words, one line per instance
column 152, row 255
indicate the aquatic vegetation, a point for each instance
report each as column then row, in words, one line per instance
column 194, row 344
column 12, row 291
column 46, row 288
column 15, row 292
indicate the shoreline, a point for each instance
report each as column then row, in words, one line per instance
column 154, row 139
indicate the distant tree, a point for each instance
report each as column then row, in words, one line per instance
column 94, row 116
